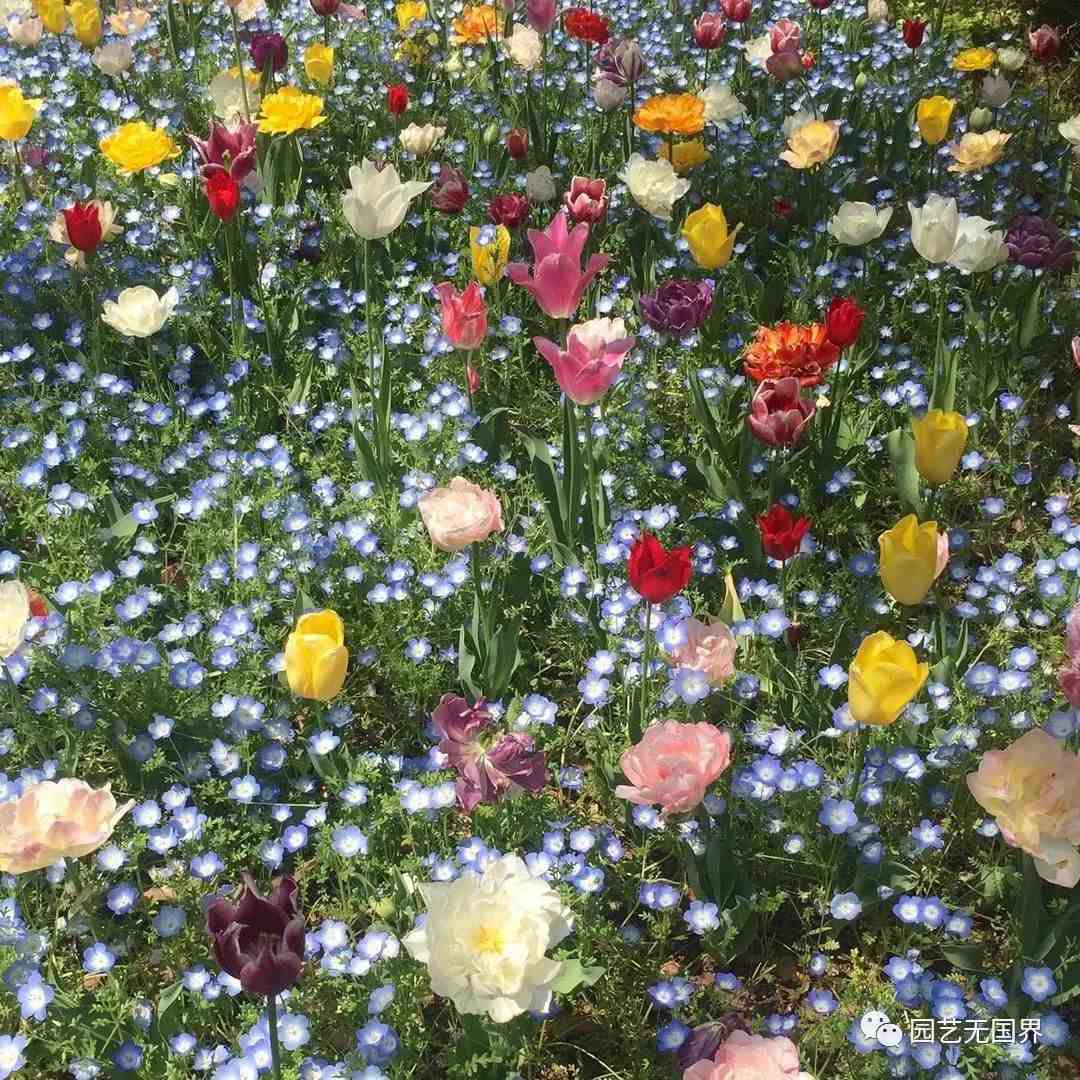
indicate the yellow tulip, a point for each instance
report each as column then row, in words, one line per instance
column 290, row 110
column 940, row 438
column 977, row 59
column 85, row 18
column 136, row 146
column 489, row 262
column 711, row 242
column 812, row 144
column 684, row 156
column 16, row 113
column 884, row 676
column 319, row 63
column 909, row 559
column 410, row 11
column 933, row 116
column 52, row 14
column 315, row 656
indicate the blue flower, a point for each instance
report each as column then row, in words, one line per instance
column 1038, row 983
column 846, row 906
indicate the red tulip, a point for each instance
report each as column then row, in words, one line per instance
column 222, row 193
column 655, row 573
column 397, row 98
column 820, row 5
column 779, row 413
column 785, row 36
column 509, row 210
column 843, row 321
column 38, row 608
column 464, row 316
column 782, row 208
column 781, row 533
column 710, row 30
column 517, row 143
column 914, row 32
column 1045, row 43
column 450, row 192
column 738, row 11
column 83, row 223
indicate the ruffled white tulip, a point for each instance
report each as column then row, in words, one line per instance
column 377, row 200
column 978, row 249
column 721, row 105
column 524, row 47
column 934, row 226
column 419, row 139
column 485, row 937
column 857, row 223
column 654, row 185
column 139, row 312
column 14, row 614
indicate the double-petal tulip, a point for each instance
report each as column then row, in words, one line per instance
column 711, row 241
column 940, row 438
column 779, row 413
column 912, row 557
column 884, row 676
column 316, row 659
column 591, row 361
column 586, row 199
column 377, row 200
column 557, row 282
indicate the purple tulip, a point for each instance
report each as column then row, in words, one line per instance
column 231, row 149
column 679, row 306
column 259, row 939
column 621, row 61
column 269, row 49
column 1038, row 244
column 485, row 772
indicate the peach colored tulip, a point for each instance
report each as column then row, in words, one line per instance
column 464, row 315
column 674, row 764
column 709, row 648
column 459, row 515
column 57, row 820
column 750, row 1057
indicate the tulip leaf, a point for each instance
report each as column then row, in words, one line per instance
column 1029, row 325
column 732, row 610
column 1030, row 908
column 547, row 480
column 365, row 456
column 573, row 975
column 901, row 446
column 965, row 957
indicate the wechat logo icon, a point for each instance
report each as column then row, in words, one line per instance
column 874, row 1024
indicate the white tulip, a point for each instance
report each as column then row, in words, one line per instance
column 25, row 30
column 524, row 47
column 1070, row 130
column 112, row 59
column 933, row 228
column 877, row 11
column 139, row 312
column 758, row 50
column 721, row 105
column 14, row 614
column 1011, row 59
column 419, row 139
column 228, row 96
column 996, row 90
column 540, row 185
column 377, row 200
column 857, row 223
column 654, row 185
column 977, row 248
column 485, row 937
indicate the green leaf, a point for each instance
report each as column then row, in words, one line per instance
column 365, row 455
column 1029, row 325
column 168, row 997
column 732, row 610
column 1030, row 913
column 966, row 957
column 547, row 480
column 901, row 446
column 575, row 974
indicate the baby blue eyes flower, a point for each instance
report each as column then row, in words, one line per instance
column 97, row 959
column 846, row 906
column 838, row 815
column 1038, row 983
column 34, row 997
column 349, row 841
column 702, row 917
column 169, row 920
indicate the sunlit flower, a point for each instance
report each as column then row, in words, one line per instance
column 85, row 18
column 977, row 150
column 710, row 240
column 489, row 259
column 654, row 185
column 319, row 63
column 978, row 59
column 316, row 659
column 685, row 156
column 672, row 114
column 136, row 146
column 84, row 227
column 721, row 105
column 476, row 25
column 524, row 47
column 226, row 92
column 812, row 144
column 139, row 312
column 791, row 350
column 17, row 113
column 289, row 110
column 410, row 11
column 857, row 223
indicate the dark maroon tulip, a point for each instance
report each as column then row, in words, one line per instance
column 678, row 306
column 1039, row 244
column 259, row 939
column 517, row 143
column 509, row 210
column 268, row 49
column 450, row 192
column 325, row 8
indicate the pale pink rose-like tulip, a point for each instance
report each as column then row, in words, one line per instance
column 464, row 315
column 591, row 361
column 942, row 554
column 460, row 515
column 1032, row 789
column 779, row 413
column 709, row 648
column 55, row 820
column 750, row 1057
column 673, row 765
column 557, row 281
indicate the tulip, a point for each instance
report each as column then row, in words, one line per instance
column 420, row 139
column 710, row 30
column 779, row 413
column 17, row 113
column 738, row 11
column 397, row 98
column 222, row 194
column 557, row 282
column 541, row 14
column 460, row 515
column 781, row 532
column 319, row 63
column 857, row 223
column 229, row 148
column 25, row 31
column 655, row 573
column 877, row 11
column 843, row 321
column 914, row 32
column 450, row 192
column 607, row 94
column 785, row 66
column 1045, row 43
column 909, row 559
column 586, row 200
column 490, row 249
column 591, row 361
column 785, row 36
column 377, row 200
column 260, row 939
column 940, row 438
column 139, row 312
column 509, row 209
column 52, row 13
column 83, row 224
column 679, row 306
column 464, row 316
column 711, row 242
column 884, row 676
column 269, row 51
column 978, row 247
column 933, row 228
column 932, row 115
column 517, row 143
column 14, row 616
column 325, row 8
column 1076, row 352
column 540, row 185
column 112, row 59
column 316, row 659
column 995, row 91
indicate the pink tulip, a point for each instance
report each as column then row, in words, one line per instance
column 587, row 201
column 231, row 149
column 742, row 1055
column 779, row 414
column 557, row 282
column 464, row 316
column 541, row 15
column 673, row 765
column 709, row 648
column 737, row 11
column 1072, row 634
column 592, row 359
column 785, row 36
column 1076, row 351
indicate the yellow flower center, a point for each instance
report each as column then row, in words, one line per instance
column 489, row 938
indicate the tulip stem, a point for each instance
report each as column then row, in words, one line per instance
column 638, row 723
column 240, row 62
column 275, row 1044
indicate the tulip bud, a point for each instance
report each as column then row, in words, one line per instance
column 980, row 119
column 914, row 32
column 820, row 5
column 397, row 98
column 269, row 50
column 940, row 438
column 608, row 95
column 860, row 82
column 1045, row 43
column 785, row 66
column 517, row 143
column 738, row 11
column 710, row 30
column 491, row 134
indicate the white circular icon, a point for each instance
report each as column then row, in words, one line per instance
column 871, row 1023
column 890, row 1035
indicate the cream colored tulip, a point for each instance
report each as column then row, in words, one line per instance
column 139, row 312
column 378, row 200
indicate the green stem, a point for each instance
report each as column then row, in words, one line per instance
column 275, row 1044
column 640, row 722
column 240, row 62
